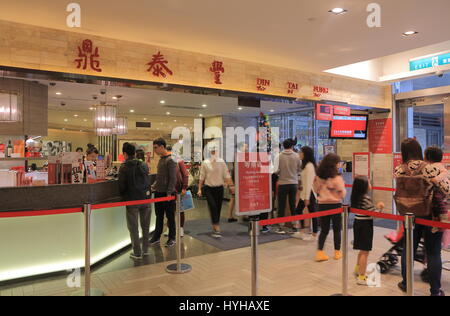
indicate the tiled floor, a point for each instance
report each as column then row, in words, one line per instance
column 286, row 268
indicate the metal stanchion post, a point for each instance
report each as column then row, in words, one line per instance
column 409, row 228
column 178, row 268
column 254, row 233
column 88, row 291
column 344, row 252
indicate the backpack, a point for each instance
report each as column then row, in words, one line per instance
column 414, row 193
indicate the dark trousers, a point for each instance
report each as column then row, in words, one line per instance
column 214, row 198
column 433, row 248
column 312, row 209
column 325, row 224
column 287, row 191
column 136, row 214
column 167, row 209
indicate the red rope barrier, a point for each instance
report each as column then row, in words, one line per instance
column 40, row 213
column 131, row 203
column 378, row 215
column 432, row 223
column 375, row 188
column 299, row 217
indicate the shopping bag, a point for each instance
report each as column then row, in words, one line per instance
column 187, row 202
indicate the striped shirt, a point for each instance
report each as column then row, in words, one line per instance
column 365, row 204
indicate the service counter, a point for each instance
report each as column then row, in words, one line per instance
column 31, row 246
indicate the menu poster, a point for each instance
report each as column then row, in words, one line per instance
column 361, row 165
column 253, row 184
column 341, row 110
column 380, row 136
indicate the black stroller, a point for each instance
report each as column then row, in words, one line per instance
column 393, row 256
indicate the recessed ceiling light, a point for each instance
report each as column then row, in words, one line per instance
column 91, row 108
column 75, row 115
column 338, row 11
column 175, row 121
column 85, row 120
column 162, row 102
column 66, row 120
column 168, row 113
column 114, row 98
column 145, row 119
column 240, row 108
column 205, row 105
column 272, row 111
column 410, row 33
column 201, row 115
column 131, row 111
column 58, row 93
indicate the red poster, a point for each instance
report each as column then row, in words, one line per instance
column 341, row 110
column 253, row 184
column 380, row 136
column 446, row 161
column 324, row 112
column 397, row 160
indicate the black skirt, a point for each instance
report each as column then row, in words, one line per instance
column 363, row 235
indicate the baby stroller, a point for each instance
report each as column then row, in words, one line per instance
column 393, row 256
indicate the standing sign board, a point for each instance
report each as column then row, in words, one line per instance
column 361, row 165
column 380, row 136
column 253, row 184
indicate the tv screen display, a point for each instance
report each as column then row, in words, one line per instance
column 349, row 127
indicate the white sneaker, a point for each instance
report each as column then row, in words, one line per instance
column 361, row 282
column 166, row 233
column 308, row 237
column 181, row 232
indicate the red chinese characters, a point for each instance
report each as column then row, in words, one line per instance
column 158, row 66
column 318, row 91
column 87, row 53
column 262, row 84
column 218, row 69
column 292, row 87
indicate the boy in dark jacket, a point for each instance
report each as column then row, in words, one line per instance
column 134, row 185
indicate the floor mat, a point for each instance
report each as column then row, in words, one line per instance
column 234, row 235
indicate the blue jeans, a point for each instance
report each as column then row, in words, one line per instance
column 433, row 248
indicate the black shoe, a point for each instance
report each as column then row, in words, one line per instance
column 265, row 230
column 441, row 293
column 402, row 287
column 154, row 242
column 232, row 220
column 171, row 243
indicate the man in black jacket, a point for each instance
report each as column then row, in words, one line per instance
column 135, row 186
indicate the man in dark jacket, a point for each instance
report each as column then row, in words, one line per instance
column 134, row 185
column 164, row 186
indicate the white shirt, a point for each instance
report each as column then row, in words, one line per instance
column 308, row 176
column 214, row 172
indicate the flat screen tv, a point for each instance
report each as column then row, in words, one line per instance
column 349, row 127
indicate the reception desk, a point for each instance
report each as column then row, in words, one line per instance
column 32, row 246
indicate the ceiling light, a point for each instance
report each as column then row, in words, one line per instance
column 338, row 11
column 131, row 111
column 58, row 93
column 66, row 120
column 162, row 102
column 75, row 115
column 410, row 33
column 114, row 98
column 105, row 118
column 145, row 119
column 121, row 127
column 240, row 108
column 91, row 108
column 85, row 120
column 168, row 113
column 204, row 105
column 175, row 121
column 201, row 115
column 272, row 111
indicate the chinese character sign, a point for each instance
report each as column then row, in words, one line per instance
column 88, row 55
column 318, row 91
column 262, row 84
column 292, row 87
column 158, row 66
column 217, row 69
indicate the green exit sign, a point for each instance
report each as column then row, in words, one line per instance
column 429, row 61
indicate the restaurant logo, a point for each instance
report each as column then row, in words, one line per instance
column 262, row 84
column 87, row 53
column 318, row 91
column 158, row 66
column 292, row 87
column 218, row 70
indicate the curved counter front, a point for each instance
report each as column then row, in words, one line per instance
column 38, row 245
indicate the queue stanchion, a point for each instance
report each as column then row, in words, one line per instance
column 409, row 228
column 344, row 251
column 178, row 268
column 88, row 291
column 254, row 233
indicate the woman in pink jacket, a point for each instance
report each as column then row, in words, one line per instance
column 330, row 189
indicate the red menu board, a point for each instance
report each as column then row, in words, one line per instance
column 253, row 184
column 341, row 110
column 380, row 136
column 324, row 112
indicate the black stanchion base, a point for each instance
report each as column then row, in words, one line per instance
column 173, row 268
